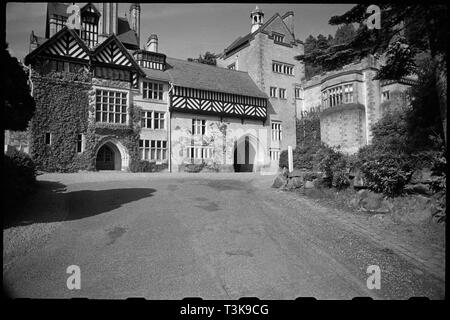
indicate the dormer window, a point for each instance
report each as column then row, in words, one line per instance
column 89, row 29
column 278, row 37
column 150, row 60
column 57, row 22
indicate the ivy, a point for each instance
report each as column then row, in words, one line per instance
column 63, row 106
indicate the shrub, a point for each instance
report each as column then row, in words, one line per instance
column 385, row 172
column 146, row 166
column 334, row 164
column 19, row 173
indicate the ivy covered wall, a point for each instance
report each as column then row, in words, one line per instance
column 62, row 110
column 65, row 107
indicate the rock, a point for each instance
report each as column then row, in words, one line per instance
column 358, row 180
column 418, row 188
column 320, row 183
column 421, row 176
column 279, row 181
column 297, row 173
column 297, row 182
column 422, row 210
column 309, row 185
column 289, row 185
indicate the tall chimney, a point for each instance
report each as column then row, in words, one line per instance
column 135, row 19
column 152, row 43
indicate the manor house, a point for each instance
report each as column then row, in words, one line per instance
column 105, row 102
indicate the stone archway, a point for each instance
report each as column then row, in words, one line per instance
column 246, row 154
column 111, row 154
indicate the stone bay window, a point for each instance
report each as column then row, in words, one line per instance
column 337, row 95
column 111, row 106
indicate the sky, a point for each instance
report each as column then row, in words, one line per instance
column 184, row 30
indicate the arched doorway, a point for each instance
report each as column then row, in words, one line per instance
column 112, row 155
column 244, row 155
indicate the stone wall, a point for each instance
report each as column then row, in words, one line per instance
column 223, row 136
column 343, row 126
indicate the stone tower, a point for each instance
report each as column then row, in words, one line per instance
column 135, row 19
column 257, row 18
column 108, row 20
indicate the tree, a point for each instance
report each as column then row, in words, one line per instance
column 207, row 58
column 344, row 34
column 18, row 104
column 406, row 30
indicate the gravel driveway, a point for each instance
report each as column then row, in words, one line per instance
column 215, row 236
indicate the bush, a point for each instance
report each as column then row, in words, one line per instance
column 334, row 164
column 146, row 166
column 385, row 172
column 19, row 173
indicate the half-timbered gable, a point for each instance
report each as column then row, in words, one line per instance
column 65, row 44
column 111, row 54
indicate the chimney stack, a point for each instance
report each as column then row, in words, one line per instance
column 152, row 43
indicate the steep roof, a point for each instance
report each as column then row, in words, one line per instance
column 125, row 33
column 275, row 22
column 206, row 77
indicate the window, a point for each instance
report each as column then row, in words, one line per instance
column 80, row 143
column 385, row 95
column 278, row 38
column 298, row 93
column 273, row 92
column 153, row 120
column 282, row 93
column 89, row 31
column 154, row 150
column 348, row 93
column 198, row 127
column 232, row 66
column 111, row 106
column 274, row 155
column 152, row 90
column 57, row 22
column 338, row 95
column 200, row 152
column 48, row 138
column 276, row 131
column 284, row 68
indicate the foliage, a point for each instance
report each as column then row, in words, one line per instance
column 62, row 110
column 423, row 120
column 63, row 107
column 308, row 142
column 18, row 104
column 385, row 172
column 407, row 29
column 146, row 166
column 333, row 164
column 19, row 174
column 207, row 58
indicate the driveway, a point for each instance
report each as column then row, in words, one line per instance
column 215, row 236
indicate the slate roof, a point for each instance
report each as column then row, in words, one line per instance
column 206, row 77
column 241, row 40
column 128, row 37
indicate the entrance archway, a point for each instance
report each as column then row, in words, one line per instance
column 244, row 155
column 112, row 155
